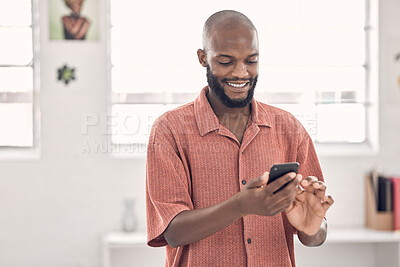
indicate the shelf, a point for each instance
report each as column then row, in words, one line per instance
column 118, row 239
column 360, row 235
column 381, row 247
column 335, row 235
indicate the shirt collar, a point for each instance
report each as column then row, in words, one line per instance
column 259, row 114
column 207, row 121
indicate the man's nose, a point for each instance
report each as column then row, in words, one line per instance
column 240, row 71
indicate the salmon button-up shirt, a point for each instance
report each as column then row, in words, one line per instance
column 194, row 162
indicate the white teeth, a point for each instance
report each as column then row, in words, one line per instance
column 237, row 85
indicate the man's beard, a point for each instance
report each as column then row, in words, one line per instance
column 219, row 91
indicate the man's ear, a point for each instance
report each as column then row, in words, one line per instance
column 202, row 56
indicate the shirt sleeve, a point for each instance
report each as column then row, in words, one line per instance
column 167, row 184
column 308, row 159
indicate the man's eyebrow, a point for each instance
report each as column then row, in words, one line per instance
column 228, row 56
column 223, row 55
column 253, row 55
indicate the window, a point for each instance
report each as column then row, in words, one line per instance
column 318, row 60
column 17, row 70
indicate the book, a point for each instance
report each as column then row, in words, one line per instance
column 384, row 194
column 396, row 202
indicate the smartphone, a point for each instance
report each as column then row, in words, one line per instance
column 279, row 170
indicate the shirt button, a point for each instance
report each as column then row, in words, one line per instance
column 243, row 182
column 248, row 240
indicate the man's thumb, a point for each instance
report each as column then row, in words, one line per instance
column 260, row 181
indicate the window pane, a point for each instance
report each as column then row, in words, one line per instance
column 16, row 125
column 341, row 123
column 338, row 13
column 305, row 113
column 313, row 47
column 15, row 13
column 311, row 80
column 15, row 46
column 330, row 123
column 152, row 79
column 122, row 10
column 16, row 79
column 332, row 46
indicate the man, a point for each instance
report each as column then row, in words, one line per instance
column 207, row 195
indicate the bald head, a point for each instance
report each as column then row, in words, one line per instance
column 226, row 19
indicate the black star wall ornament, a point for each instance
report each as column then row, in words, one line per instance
column 66, row 74
column 397, row 58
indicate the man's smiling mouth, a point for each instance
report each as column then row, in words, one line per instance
column 237, row 85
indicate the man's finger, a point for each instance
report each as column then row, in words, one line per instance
column 320, row 189
column 307, row 183
column 299, row 190
column 328, row 201
column 301, row 196
column 278, row 183
column 259, row 181
column 283, row 199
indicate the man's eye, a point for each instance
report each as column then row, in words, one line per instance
column 252, row 61
column 224, row 63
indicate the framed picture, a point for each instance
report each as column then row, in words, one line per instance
column 73, row 20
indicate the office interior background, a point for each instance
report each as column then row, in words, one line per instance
column 67, row 163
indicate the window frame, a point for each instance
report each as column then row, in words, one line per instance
column 26, row 153
column 369, row 147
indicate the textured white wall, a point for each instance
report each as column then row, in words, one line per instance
column 53, row 211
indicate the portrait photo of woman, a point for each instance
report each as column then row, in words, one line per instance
column 73, row 19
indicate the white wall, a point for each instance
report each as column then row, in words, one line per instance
column 53, row 211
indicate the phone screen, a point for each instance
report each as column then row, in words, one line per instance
column 278, row 170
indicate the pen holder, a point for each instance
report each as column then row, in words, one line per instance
column 374, row 219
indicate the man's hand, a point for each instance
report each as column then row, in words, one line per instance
column 310, row 206
column 258, row 198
